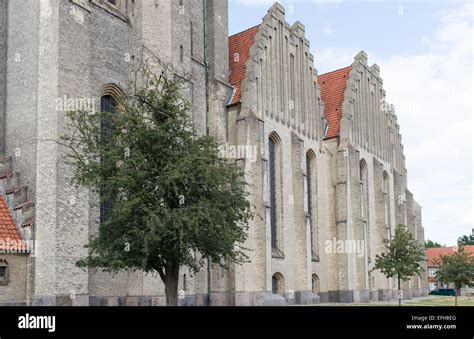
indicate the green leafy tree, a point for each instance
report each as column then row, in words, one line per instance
column 176, row 202
column 432, row 244
column 466, row 240
column 402, row 258
column 456, row 268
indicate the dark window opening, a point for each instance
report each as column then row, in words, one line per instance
column 273, row 198
column 3, row 274
column 107, row 105
column 274, row 285
column 309, row 163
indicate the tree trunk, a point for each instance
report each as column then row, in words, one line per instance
column 399, row 299
column 456, row 297
column 171, row 284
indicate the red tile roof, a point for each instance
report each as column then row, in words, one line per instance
column 433, row 254
column 239, row 46
column 10, row 239
column 333, row 85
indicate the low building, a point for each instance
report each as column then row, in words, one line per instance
column 433, row 255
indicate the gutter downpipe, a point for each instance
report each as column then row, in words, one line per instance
column 206, row 64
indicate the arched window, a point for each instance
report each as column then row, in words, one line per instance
column 274, row 164
column 3, row 272
column 364, row 203
column 386, row 196
column 107, row 105
column 315, row 284
column 191, row 25
column 363, row 188
column 310, row 192
column 278, row 284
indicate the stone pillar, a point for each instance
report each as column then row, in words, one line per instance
column 218, row 56
column 344, row 226
column 3, row 70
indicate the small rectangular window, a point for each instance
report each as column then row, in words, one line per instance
column 3, row 275
column 115, row 3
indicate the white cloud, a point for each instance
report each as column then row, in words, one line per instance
column 330, row 59
column 255, row 2
column 328, row 30
column 432, row 93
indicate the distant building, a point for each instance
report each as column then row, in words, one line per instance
column 433, row 255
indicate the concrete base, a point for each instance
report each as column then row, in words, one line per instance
column 233, row 299
column 374, row 295
column 14, row 304
column 407, row 293
column 306, row 298
column 385, row 295
column 251, row 298
column 276, row 300
column 222, row 299
column 49, row 300
column 361, row 296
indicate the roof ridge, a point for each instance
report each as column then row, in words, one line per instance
column 239, row 44
column 339, row 69
column 245, row 30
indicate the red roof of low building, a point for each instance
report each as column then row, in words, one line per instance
column 239, row 46
column 434, row 254
column 10, row 238
column 333, row 85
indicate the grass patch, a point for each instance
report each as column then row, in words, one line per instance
column 425, row 301
column 441, row 301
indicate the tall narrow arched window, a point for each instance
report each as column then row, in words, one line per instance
column 315, row 284
column 364, row 203
column 107, row 105
column 191, row 25
column 274, row 156
column 310, row 193
column 363, row 188
column 386, row 196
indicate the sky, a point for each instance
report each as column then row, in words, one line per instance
column 425, row 53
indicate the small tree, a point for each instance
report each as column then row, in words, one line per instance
column 456, row 268
column 176, row 202
column 432, row 244
column 402, row 258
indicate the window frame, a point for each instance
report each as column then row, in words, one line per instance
column 106, row 207
column 275, row 194
column 5, row 279
column 311, row 191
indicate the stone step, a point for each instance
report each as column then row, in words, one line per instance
column 8, row 181
column 25, row 213
column 17, row 196
column 6, row 165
